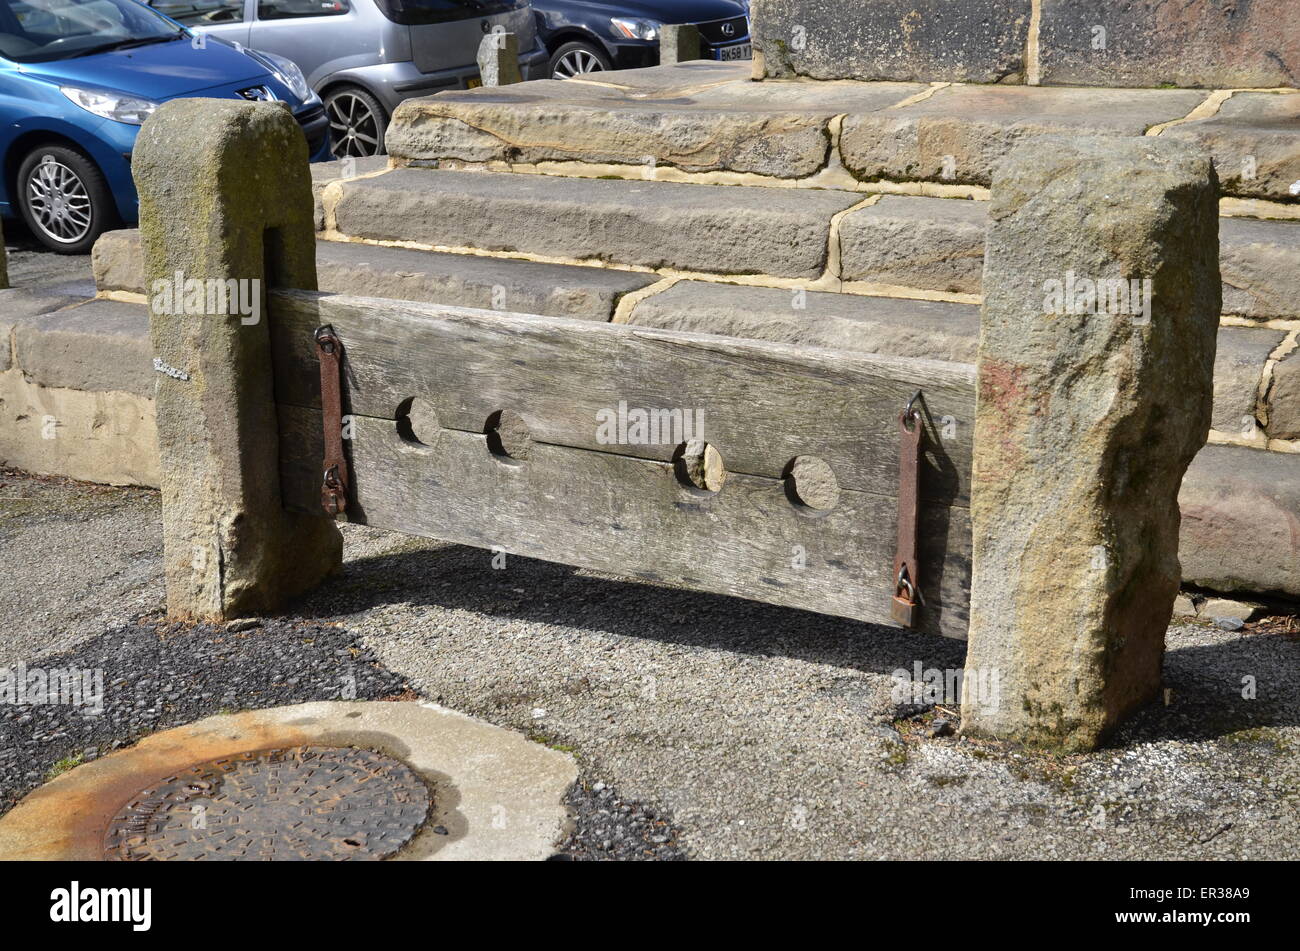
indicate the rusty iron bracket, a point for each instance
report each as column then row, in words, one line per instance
column 334, row 485
column 907, row 597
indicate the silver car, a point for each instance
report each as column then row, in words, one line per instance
column 365, row 56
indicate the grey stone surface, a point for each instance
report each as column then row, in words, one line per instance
column 323, row 173
column 960, row 132
column 1219, row 44
column 463, row 280
column 1241, row 521
column 691, row 116
column 214, row 178
column 906, row 328
column 972, row 41
column 498, row 59
column 20, row 304
column 711, row 228
column 4, row 260
column 1253, row 138
column 1260, row 263
column 99, row 345
column 118, row 262
column 928, row 243
column 1284, row 398
column 1072, row 586
column 1238, row 371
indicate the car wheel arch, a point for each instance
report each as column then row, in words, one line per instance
column 570, row 34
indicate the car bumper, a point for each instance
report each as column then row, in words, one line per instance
column 635, row 55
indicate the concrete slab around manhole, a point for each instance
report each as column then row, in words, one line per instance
column 496, row 795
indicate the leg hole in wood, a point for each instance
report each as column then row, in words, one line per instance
column 417, row 423
column 810, row 485
column 699, row 467
column 508, row 435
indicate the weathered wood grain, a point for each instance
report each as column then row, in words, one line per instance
column 632, row 517
column 763, row 403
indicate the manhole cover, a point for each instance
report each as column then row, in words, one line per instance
column 310, row 802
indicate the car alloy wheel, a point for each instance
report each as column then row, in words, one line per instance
column 576, row 62
column 59, row 202
column 355, row 130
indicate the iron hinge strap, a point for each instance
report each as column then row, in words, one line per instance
column 907, row 597
column 334, row 484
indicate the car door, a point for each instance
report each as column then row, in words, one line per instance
column 445, row 34
column 228, row 19
column 314, row 33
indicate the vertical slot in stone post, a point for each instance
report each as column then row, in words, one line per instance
column 225, row 205
column 1101, row 308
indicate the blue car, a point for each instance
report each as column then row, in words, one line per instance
column 77, row 80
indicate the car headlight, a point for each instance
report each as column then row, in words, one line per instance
column 287, row 71
column 117, row 106
column 636, row 29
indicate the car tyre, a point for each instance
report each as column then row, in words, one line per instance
column 64, row 199
column 576, row 59
column 357, row 122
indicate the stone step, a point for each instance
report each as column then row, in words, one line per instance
column 367, row 270
column 710, row 228
column 698, row 117
column 938, row 244
column 940, row 331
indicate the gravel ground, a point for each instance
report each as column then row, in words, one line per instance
column 730, row 729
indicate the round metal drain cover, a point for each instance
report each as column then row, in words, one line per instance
column 309, row 802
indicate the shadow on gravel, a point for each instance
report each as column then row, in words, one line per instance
column 1206, row 679
column 457, row 577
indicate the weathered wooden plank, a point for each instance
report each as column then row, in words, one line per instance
column 763, row 403
column 632, row 517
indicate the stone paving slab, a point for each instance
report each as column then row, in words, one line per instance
column 462, row 280
column 711, row 228
column 729, row 124
column 97, row 345
column 1260, row 265
column 928, row 243
column 1255, row 141
column 1283, row 400
column 1238, row 370
column 958, row 134
column 906, row 328
column 496, row 796
column 1241, row 508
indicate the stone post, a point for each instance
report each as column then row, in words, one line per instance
column 678, row 43
column 225, row 210
column 1101, row 307
column 498, row 59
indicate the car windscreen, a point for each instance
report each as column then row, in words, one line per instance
column 422, row 12
column 34, row 31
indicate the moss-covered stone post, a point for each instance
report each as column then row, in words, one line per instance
column 225, row 210
column 1095, row 375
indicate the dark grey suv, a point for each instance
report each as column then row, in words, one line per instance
column 365, row 56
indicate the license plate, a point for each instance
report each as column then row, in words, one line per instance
column 473, row 83
column 739, row 51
